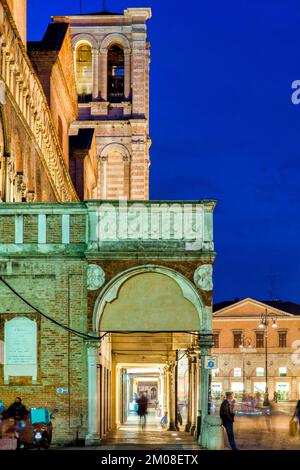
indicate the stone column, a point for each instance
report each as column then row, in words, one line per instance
column 162, row 392
column 194, row 396
column 171, row 397
column 204, row 379
column 92, row 438
column 166, row 393
column 127, row 72
column 198, row 403
column 205, row 344
column 294, row 391
column 103, row 74
column 95, row 65
column 126, row 189
column 103, row 179
column 189, row 413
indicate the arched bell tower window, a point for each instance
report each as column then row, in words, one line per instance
column 115, row 74
column 84, row 75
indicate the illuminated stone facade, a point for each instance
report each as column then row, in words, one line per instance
column 95, row 270
column 241, row 349
column 47, row 254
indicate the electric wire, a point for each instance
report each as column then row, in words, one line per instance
column 80, row 333
column 55, row 322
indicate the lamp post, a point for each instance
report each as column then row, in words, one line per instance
column 264, row 324
column 242, row 346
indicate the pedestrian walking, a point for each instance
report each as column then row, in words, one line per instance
column 227, row 417
column 295, row 421
column 297, row 412
column 142, row 402
column 179, row 421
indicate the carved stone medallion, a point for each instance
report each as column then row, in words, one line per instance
column 203, row 277
column 95, row 277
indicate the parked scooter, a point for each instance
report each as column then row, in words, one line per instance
column 41, row 436
column 42, row 427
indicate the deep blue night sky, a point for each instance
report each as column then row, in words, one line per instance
column 223, row 126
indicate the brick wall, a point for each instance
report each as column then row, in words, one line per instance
column 30, row 230
column 7, row 229
column 77, row 228
column 54, row 227
column 57, row 288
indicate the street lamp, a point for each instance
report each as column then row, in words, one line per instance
column 264, row 323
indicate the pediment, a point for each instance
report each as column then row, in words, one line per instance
column 248, row 308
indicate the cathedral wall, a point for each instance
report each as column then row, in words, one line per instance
column 27, row 180
column 18, row 9
column 56, row 73
column 63, row 98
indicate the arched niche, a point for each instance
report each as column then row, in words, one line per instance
column 149, row 298
column 83, row 38
column 108, row 149
column 115, row 172
column 114, row 39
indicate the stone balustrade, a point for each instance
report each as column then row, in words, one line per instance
column 109, row 228
column 27, row 96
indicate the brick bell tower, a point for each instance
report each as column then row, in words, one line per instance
column 111, row 59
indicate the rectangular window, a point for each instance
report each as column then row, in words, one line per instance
column 282, row 338
column 260, row 339
column 216, row 340
column 237, row 386
column 237, row 339
column 282, row 371
column 237, row 372
column 260, row 372
column 259, row 387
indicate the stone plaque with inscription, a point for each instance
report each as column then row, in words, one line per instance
column 20, row 348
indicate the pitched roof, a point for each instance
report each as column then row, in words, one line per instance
column 52, row 40
column 280, row 305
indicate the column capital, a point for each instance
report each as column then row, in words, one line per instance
column 92, row 345
column 205, row 340
column 169, row 367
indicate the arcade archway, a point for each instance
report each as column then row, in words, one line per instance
column 148, row 316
